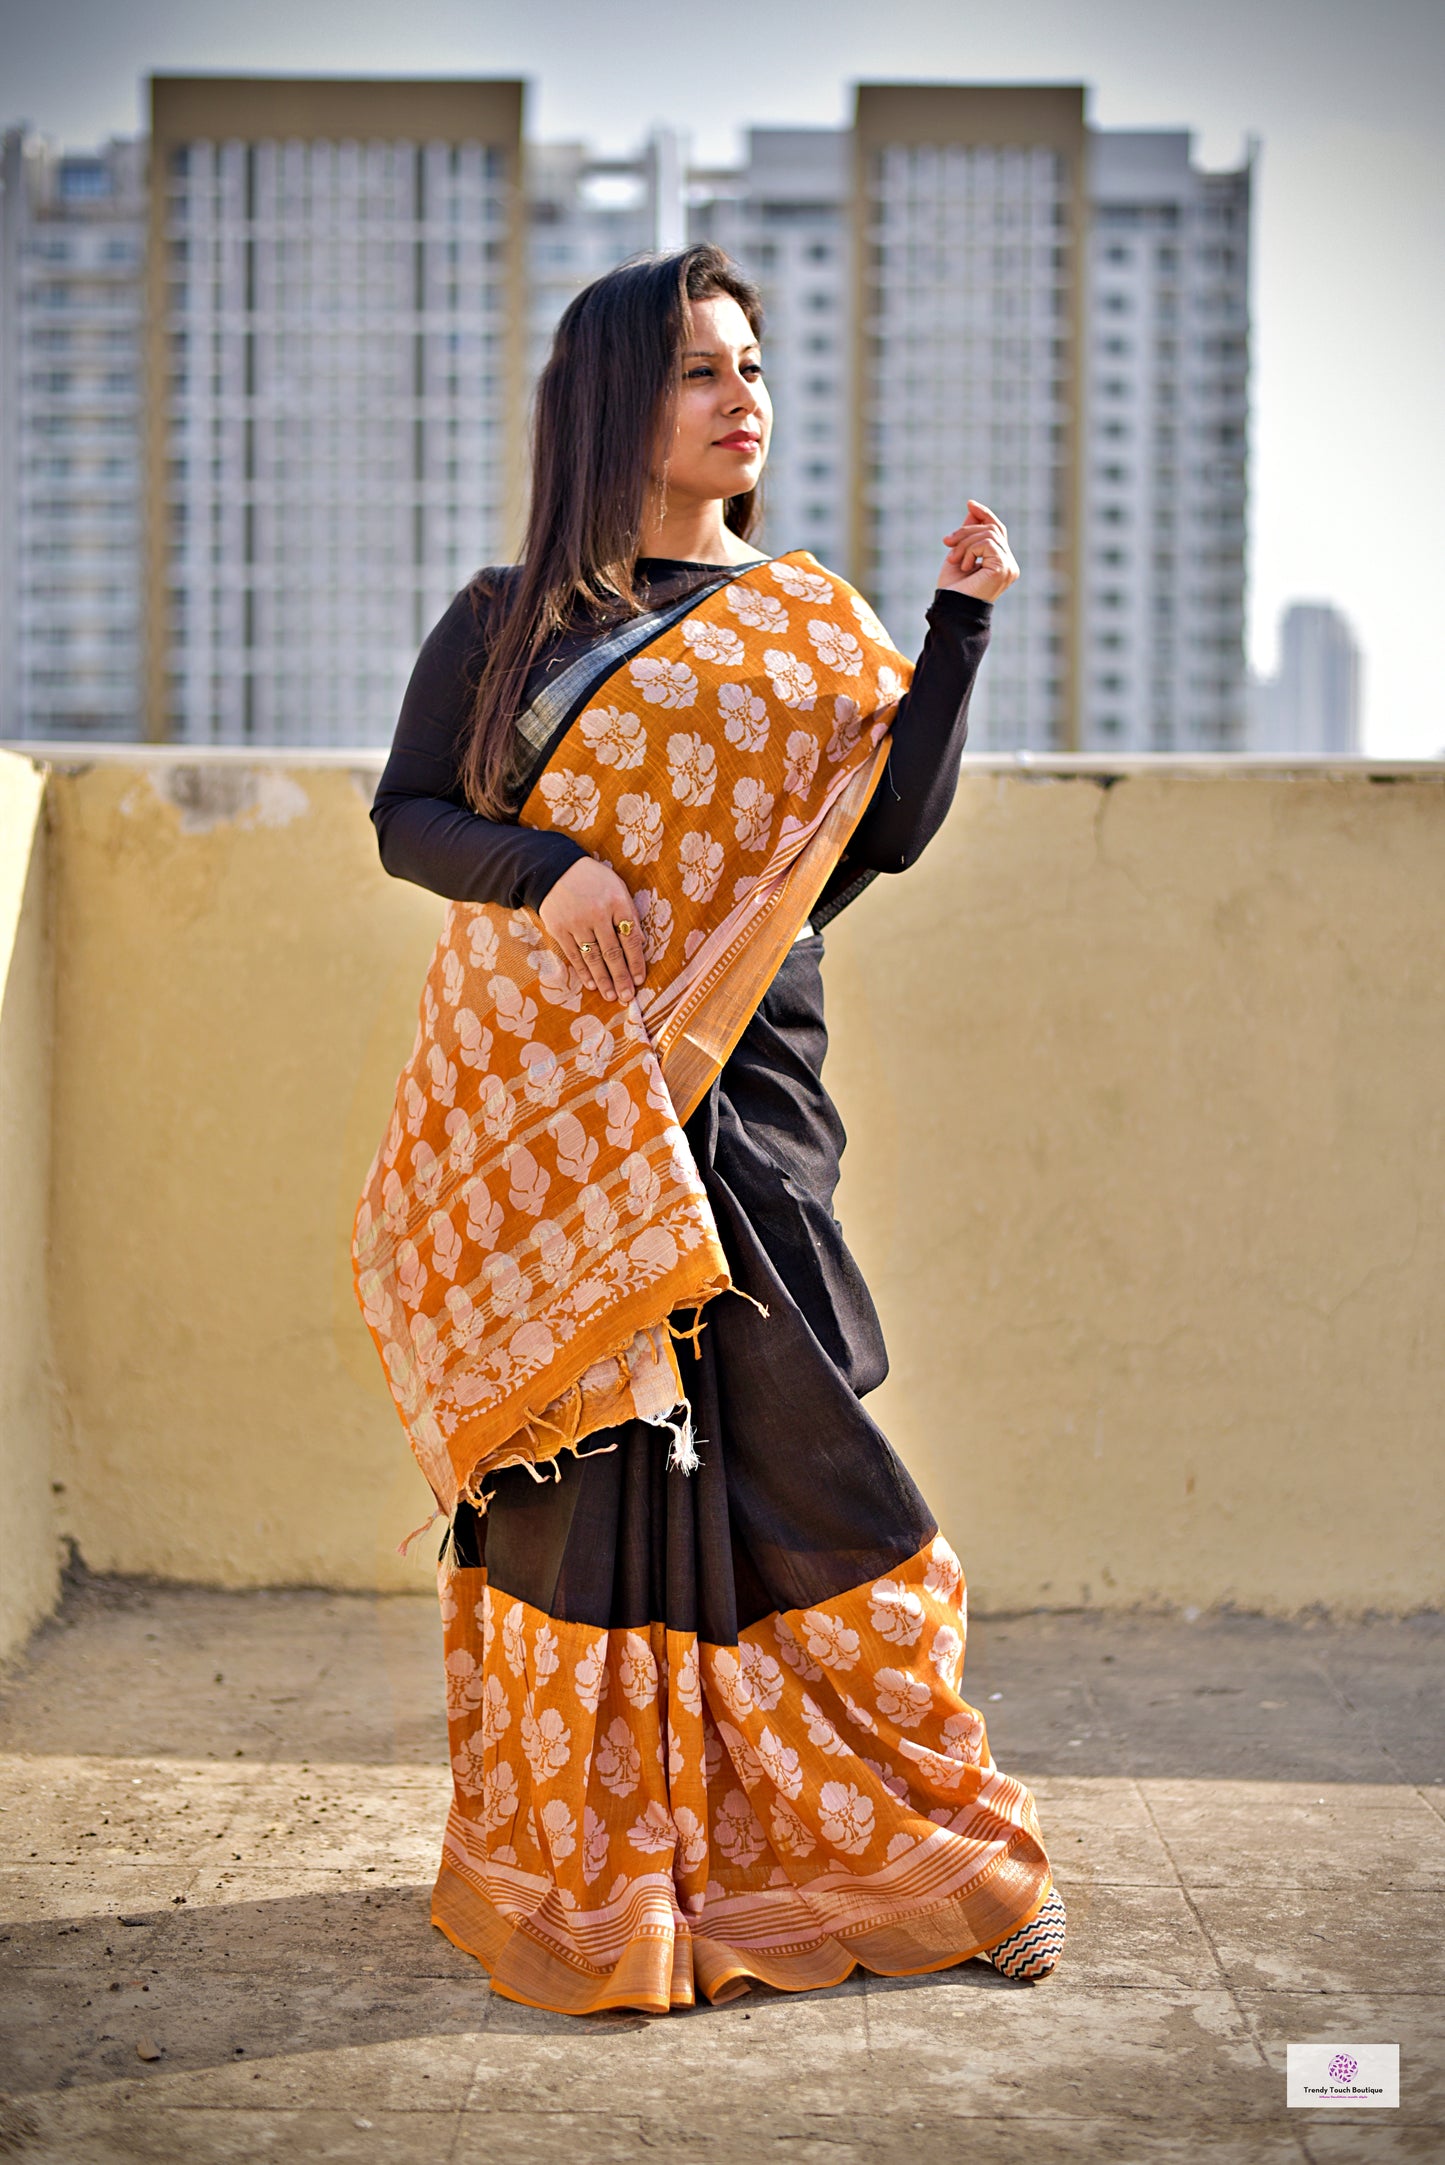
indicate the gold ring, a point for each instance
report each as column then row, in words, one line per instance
column 584, row 947
column 624, row 926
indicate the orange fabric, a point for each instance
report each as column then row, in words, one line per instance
column 639, row 1818
column 533, row 1215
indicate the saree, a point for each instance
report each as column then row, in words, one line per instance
column 675, row 1775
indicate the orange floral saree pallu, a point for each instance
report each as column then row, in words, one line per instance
column 703, row 1639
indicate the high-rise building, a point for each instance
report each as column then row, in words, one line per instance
column 72, row 236
column 785, row 216
column 336, row 354
column 350, row 287
column 1166, row 391
column 1313, row 705
column 970, row 210
column 586, row 215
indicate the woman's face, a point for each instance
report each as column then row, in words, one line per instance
column 724, row 416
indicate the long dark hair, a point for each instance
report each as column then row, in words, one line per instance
column 603, row 402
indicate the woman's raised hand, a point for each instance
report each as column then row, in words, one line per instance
column 592, row 917
column 979, row 560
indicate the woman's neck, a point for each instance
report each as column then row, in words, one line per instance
column 695, row 533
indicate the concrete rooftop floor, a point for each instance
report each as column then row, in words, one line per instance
column 221, row 1815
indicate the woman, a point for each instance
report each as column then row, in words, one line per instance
column 703, row 1638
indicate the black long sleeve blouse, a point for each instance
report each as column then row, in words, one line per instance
column 428, row 833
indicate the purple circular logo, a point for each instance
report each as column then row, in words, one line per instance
column 1343, row 2068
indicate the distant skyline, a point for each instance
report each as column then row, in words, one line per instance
column 1349, row 433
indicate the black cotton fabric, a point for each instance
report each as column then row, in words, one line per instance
column 799, row 1495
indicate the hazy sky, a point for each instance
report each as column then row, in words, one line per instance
column 1349, row 282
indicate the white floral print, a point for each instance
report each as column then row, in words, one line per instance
column 637, row 1671
column 895, row 1784
column 713, row 642
column 515, row 1012
column 752, row 812
column 792, row 680
column 599, row 1219
column 545, row 1659
column 464, row 1683
column 745, row 1760
column 802, row 751
column 890, row 687
column 594, row 1845
column 945, row 1652
column 542, row 1078
column 691, row 1839
column 639, row 822
column 895, row 1611
column 803, row 585
column 663, row 683
column 835, row 648
column 501, row 1799
column 760, row 612
column 614, row 737
column 469, row 1765
column 900, row 1698
column 870, row 625
column 589, row 1677
column 701, row 863
column 692, row 763
column 484, row 1217
column 619, row 1762
column 763, row 1677
column 573, row 800
column 944, row 1573
column 830, row 1641
column 654, row 922
column 845, row 1817
column 545, row 1739
column 482, row 943
column 780, row 1764
column 963, row 1736
column 790, row 1837
column 528, row 1183
column 654, row 1832
column 736, row 1831
column 821, row 1733
column 745, row 716
column 793, row 1654
column 496, row 1716
column 560, row 1828
column 847, row 727
column 514, row 1640
column 687, row 1683
column 474, row 1044
column 858, row 1715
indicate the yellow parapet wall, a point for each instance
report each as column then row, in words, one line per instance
column 29, row 1548
column 1147, row 1169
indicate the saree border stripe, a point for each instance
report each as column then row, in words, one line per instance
column 639, row 1815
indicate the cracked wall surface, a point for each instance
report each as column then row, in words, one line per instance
column 1146, row 1169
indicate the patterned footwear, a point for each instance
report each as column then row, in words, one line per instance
column 1032, row 1951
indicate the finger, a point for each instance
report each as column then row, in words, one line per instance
column 615, row 962
column 633, row 948
column 981, row 515
column 589, row 962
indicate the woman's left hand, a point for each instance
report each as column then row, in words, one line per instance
column 979, row 560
